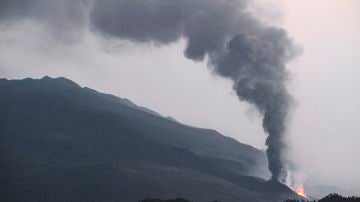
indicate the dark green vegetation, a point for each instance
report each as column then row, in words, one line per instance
column 170, row 200
column 332, row 198
column 61, row 142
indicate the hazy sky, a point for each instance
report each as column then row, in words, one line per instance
column 324, row 131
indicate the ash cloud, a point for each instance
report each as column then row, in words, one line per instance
column 236, row 44
column 239, row 47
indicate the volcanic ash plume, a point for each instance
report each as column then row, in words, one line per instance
column 237, row 45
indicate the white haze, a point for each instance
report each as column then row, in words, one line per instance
column 325, row 130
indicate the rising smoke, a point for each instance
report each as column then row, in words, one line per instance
column 236, row 44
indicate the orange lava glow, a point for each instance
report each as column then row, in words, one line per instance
column 300, row 191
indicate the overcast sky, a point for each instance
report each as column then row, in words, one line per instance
column 325, row 126
column 325, row 129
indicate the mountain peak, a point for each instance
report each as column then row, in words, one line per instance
column 60, row 80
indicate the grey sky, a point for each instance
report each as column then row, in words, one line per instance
column 326, row 79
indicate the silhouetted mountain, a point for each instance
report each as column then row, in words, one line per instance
column 339, row 198
column 320, row 191
column 331, row 198
column 318, row 186
column 62, row 142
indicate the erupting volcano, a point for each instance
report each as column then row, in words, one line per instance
column 300, row 191
column 236, row 44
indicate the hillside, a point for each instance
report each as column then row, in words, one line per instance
column 62, row 142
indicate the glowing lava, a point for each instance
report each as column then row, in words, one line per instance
column 300, row 191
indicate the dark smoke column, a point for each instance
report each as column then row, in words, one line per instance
column 238, row 46
column 256, row 64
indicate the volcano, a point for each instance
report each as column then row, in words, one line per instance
column 62, row 142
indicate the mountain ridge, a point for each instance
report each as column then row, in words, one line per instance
column 73, row 133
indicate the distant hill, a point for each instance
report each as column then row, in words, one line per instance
column 339, row 198
column 62, row 142
column 320, row 191
column 318, row 186
column 332, row 198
